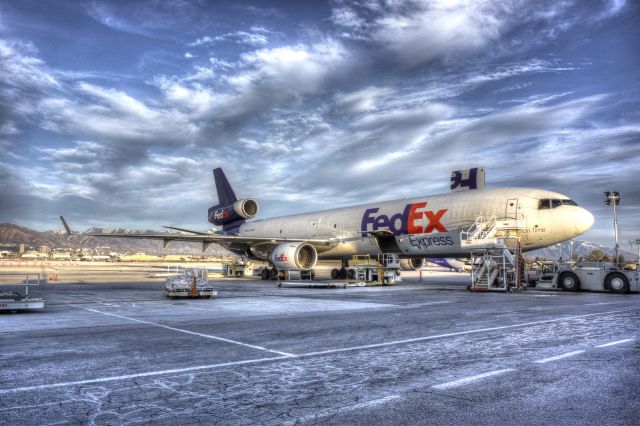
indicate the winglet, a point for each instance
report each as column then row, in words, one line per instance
column 66, row 227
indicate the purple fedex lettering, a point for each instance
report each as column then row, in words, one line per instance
column 405, row 222
column 397, row 223
column 367, row 219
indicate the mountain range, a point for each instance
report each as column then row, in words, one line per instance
column 15, row 234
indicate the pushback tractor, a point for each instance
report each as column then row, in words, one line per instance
column 591, row 276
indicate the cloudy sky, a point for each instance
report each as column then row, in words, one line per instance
column 114, row 113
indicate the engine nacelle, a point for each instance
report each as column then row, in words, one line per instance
column 246, row 208
column 411, row 264
column 294, row 256
column 241, row 209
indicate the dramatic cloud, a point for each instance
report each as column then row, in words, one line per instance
column 256, row 36
column 119, row 118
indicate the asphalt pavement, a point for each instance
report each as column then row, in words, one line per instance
column 417, row 353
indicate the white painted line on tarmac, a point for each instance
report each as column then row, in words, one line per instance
column 458, row 333
column 617, row 342
column 470, row 379
column 417, row 305
column 208, row 336
column 141, row 375
column 603, row 303
column 557, row 357
column 333, row 411
column 284, row 357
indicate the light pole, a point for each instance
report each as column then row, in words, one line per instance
column 571, row 250
column 614, row 197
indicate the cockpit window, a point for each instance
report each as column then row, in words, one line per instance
column 544, row 204
column 553, row 203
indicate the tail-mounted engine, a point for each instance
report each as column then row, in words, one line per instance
column 294, row 256
column 241, row 209
column 411, row 264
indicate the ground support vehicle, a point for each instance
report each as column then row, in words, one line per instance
column 192, row 283
column 14, row 301
column 384, row 270
column 236, row 269
column 591, row 276
column 274, row 274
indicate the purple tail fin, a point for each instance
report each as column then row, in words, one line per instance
column 226, row 196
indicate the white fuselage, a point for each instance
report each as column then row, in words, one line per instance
column 430, row 226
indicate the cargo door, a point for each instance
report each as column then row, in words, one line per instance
column 511, row 209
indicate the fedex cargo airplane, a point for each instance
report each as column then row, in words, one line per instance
column 415, row 228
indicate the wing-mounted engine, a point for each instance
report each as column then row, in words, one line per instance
column 294, row 256
column 411, row 264
column 241, row 209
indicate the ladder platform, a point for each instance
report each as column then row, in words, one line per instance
column 496, row 259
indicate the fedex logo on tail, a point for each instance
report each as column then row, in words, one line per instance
column 415, row 219
column 221, row 214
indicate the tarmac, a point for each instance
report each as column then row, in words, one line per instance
column 425, row 352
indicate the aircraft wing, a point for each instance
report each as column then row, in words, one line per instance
column 207, row 239
column 217, row 238
column 186, row 230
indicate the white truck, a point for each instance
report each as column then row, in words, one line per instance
column 592, row 276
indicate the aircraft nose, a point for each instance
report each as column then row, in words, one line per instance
column 583, row 220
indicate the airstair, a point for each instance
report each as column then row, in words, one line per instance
column 496, row 254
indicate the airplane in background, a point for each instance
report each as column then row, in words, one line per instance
column 416, row 228
column 452, row 264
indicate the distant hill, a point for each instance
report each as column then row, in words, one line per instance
column 15, row 234
column 580, row 248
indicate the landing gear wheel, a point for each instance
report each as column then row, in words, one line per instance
column 273, row 274
column 351, row 274
column 312, row 274
column 569, row 281
column 617, row 283
column 334, row 273
column 264, row 274
column 342, row 274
